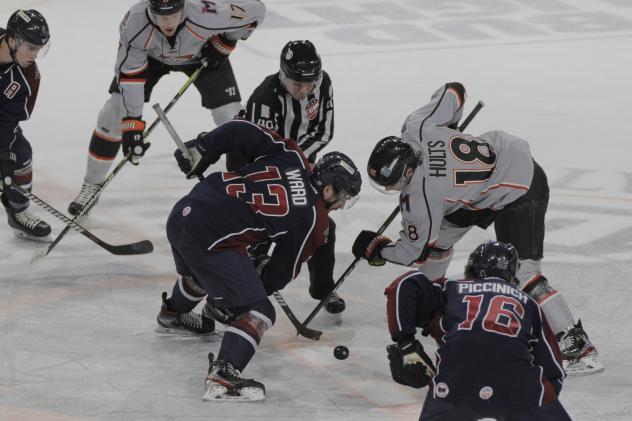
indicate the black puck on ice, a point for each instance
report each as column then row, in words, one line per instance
column 341, row 352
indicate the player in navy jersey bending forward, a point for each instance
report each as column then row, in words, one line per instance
column 496, row 357
column 276, row 198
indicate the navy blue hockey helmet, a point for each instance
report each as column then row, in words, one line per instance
column 300, row 61
column 29, row 26
column 165, row 7
column 338, row 169
column 388, row 162
column 493, row 259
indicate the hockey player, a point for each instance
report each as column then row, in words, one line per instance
column 156, row 38
column 497, row 358
column 25, row 39
column 297, row 102
column 449, row 182
column 276, row 198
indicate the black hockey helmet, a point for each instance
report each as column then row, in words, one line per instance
column 338, row 169
column 300, row 61
column 165, row 7
column 29, row 26
column 493, row 259
column 388, row 162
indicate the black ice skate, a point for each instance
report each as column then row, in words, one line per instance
column 87, row 190
column 224, row 383
column 28, row 226
column 188, row 324
column 335, row 304
column 579, row 355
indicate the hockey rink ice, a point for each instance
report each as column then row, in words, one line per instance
column 77, row 338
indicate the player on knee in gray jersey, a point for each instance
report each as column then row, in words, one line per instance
column 158, row 37
column 449, row 182
column 25, row 39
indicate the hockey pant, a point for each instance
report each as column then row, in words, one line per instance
column 23, row 174
column 231, row 282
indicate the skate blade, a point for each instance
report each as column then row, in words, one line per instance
column 583, row 367
column 25, row 236
column 246, row 394
column 182, row 332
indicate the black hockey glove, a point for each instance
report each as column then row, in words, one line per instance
column 216, row 50
column 201, row 158
column 368, row 245
column 7, row 167
column 410, row 365
column 260, row 263
column 132, row 130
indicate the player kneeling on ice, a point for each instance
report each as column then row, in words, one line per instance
column 278, row 198
column 449, row 182
column 25, row 39
column 496, row 358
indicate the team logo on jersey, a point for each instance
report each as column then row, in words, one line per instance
column 442, row 390
column 12, row 90
column 486, row 393
column 186, row 211
column 311, row 109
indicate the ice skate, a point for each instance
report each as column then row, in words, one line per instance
column 187, row 324
column 28, row 226
column 335, row 304
column 87, row 191
column 224, row 383
column 579, row 355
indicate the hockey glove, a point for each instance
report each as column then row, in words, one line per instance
column 260, row 263
column 7, row 167
column 201, row 158
column 410, row 365
column 132, row 129
column 216, row 50
column 368, row 245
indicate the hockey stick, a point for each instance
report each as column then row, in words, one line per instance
column 174, row 135
column 93, row 199
column 141, row 247
column 391, row 217
column 300, row 329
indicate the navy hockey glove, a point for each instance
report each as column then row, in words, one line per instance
column 368, row 245
column 132, row 129
column 201, row 158
column 410, row 365
column 260, row 263
column 216, row 50
column 7, row 167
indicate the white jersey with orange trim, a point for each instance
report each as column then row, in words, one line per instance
column 457, row 171
column 141, row 38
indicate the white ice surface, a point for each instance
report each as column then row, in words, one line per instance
column 76, row 329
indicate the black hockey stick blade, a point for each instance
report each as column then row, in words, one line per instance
column 301, row 329
column 141, row 247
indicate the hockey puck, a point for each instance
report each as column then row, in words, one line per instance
column 341, row 352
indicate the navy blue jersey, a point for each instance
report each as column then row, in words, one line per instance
column 270, row 199
column 495, row 346
column 18, row 92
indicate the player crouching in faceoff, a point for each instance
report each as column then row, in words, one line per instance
column 25, row 39
column 449, row 182
column 496, row 358
column 278, row 198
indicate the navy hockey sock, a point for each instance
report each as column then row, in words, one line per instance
column 185, row 295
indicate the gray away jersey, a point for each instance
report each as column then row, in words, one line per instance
column 458, row 171
column 140, row 38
